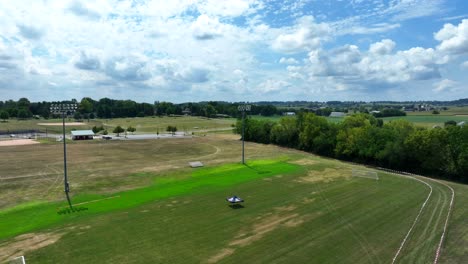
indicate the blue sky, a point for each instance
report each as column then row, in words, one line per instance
column 234, row 50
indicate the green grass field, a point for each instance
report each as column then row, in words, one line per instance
column 144, row 205
column 142, row 124
column 428, row 120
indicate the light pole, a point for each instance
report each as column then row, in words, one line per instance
column 64, row 109
column 243, row 109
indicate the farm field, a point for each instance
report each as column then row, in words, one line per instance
column 424, row 120
column 428, row 120
column 144, row 204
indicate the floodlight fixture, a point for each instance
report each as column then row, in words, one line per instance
column 64, row 109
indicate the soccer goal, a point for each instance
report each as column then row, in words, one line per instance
column 18, row 260
column 365, row 174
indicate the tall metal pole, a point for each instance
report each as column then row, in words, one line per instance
column 243, row 128
column 65, row 180
column 64, row 109
column 243, row 109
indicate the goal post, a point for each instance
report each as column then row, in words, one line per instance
column 18, row 260
column 365, row 174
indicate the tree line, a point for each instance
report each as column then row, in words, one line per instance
column 362, row 138
column 110, row 108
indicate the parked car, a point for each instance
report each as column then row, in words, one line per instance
column 106, row 137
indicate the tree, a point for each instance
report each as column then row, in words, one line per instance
column 131, row 129
column 317, row 135
column 171, row 129
column 285, row 132
column 4, row 115
column 24, row 114
column 86, row 106
column 450, row 123
column 118, row 130
column 77, row 116
column 435, row 112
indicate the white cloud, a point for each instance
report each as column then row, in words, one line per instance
column 379, row 65
column 205, row 28
column 383, row 47
column 372, row 29
column 229, row 8
column 271, row 86
column 284, row 60
column 464, row 65
column 454, row 39
column 307, row 35
column 444, row 85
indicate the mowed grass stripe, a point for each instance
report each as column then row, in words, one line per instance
column 422, row 245
column 36, row 216
column 195, row 227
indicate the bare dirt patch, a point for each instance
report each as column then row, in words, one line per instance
column 262, row 228
column 308, row 200
column 305, row 162
column 326, row 175
column 17, row 142
column 286, row 208
column 222, row 254
column 25, row 243
column 60, row 124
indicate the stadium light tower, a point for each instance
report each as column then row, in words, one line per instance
column 243, row 108
column 64, row 110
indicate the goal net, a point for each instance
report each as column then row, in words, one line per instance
column 365, row 174
column 18, row 260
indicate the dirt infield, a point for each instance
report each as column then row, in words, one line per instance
column 17, row 142
column 59, row 124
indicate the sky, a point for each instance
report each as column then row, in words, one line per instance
column 234, row 50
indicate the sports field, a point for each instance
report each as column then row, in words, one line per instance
column 142, row 124
column 139, row 202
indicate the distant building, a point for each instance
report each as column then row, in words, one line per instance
column 289, row 113
column 375, row 112
column 337, row 114
column 82, row 134
column 462, row 123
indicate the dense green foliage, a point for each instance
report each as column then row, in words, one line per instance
column 109, row 108
column 362, row 138
column 117, row 130
column 4, row 115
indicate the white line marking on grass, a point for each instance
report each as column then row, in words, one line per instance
column 417, row 217
column 93, row 201
column 436, row 259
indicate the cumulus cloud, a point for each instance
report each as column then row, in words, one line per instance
column 195, row 75
column 128, row 69
column 464, row 65
column 378, row 65
column 87, row 62
column 305, row 36
column 271, row 85
column 30, row 32
column 79, row 9
column 383, row 47
column 205, row 28
column 444, row 85
column 453, row 39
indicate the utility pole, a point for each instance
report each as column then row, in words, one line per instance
column 64, row 109
column 243, row 108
